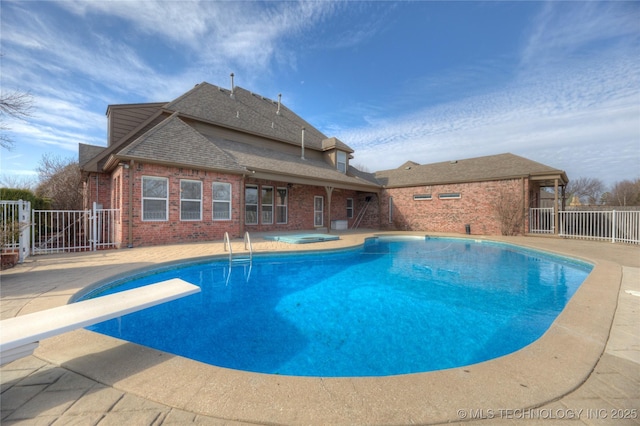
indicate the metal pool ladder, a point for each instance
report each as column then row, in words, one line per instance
column 244, row 260
column 247, row 246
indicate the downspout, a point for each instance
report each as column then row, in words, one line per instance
column 130, row 208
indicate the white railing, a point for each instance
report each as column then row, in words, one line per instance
column 612, row 225
column 15, row 230
column 541, row 221
column 57, row 231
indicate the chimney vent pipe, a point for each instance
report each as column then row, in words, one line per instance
column 232, row 85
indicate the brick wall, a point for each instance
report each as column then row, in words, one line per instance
column 476, row 207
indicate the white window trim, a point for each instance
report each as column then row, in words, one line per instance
column 339, row 163
column 199, row 200
column 143, row 198
column 263, row 205
column 350, row 209
column 286, row 205
column 422, row 197
column 257, row 188
column 214, row 201
column 318, row 211
column 449, row 196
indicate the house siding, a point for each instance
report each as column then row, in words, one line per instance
column 476, row 207
column 124, row 119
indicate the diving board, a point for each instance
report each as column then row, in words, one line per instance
column 19, row 336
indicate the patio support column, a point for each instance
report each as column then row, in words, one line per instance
column 329, row 190
column 556, row 214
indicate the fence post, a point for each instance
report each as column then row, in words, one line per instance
column 24, row 212
column 613, row 226
column 94, row 227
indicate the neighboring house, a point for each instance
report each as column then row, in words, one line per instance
column 219, row 160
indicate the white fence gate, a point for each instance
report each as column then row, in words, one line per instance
column 56, row 231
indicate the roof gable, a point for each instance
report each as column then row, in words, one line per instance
column 175, row 142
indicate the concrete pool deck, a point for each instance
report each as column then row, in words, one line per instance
column 586, row 368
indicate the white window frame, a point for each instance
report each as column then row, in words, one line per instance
column 318, row 214
column 341, row 165
column 449, row 196
column 349, row 208
column 257, row 204
column 284, row 206
column 191, row 200
column 216, row 199
column 266, row 210
column 422, row 197
column 165, row 198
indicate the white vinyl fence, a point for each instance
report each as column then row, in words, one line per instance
column 616, row 226
column 56, row 231
column 14, row 227
column 541, row 221
column 608, row 225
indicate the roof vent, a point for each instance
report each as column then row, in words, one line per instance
column 232, row 85
column 279, row 102
column 453, row 162
column 237, row 114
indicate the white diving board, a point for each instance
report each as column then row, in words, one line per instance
column 19, row 336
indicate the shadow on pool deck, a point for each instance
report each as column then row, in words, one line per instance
column 568, row 368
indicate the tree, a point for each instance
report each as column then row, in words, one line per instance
column 588, row 190
column 61, row 182
column 29, row 182
column 508, row 209
column 14, row 104
column 624, row 193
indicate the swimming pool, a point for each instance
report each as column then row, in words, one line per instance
column 392, row 306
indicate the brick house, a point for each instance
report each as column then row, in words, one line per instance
column 218, row 160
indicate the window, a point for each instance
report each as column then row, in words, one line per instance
column 221, row 201
column 155, row 199
column 421, row 197
column 251, row 205
column 349, row 208
column 281, row 205
column 341, row 161
column 267, row 205
column 190, row 200
column 449, row 196
column 318, row 211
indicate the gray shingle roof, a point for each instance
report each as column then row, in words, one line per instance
column 494, row 167
column 268, row 160
column 248, row 112
column 174, row 142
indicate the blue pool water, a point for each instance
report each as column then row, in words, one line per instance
column 388, row 307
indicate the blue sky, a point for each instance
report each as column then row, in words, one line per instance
column 556, row 82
